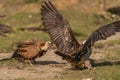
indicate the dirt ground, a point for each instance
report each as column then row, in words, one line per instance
column 48, row 66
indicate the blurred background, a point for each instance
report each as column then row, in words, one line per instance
column 22, row 20
column 84, row 16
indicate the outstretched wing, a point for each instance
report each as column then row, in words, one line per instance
column 100, row 34
column 59, row 29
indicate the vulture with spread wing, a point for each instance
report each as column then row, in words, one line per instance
column 61, row 34
column 29, row 50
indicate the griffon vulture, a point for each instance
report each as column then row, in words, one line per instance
column 29, row 50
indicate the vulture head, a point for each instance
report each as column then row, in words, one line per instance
column 45, row 46
column 62, row 36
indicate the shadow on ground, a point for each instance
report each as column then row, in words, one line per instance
column 105, row 63
column 93, row 62
column 48, row 62
column 100, row 64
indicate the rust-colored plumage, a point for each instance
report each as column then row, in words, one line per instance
column 67, row 46
column 29, row 50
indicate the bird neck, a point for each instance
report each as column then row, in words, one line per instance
column 45, row 47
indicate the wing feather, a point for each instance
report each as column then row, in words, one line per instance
column 100, row 34
column 59, row 29
column 103, row 32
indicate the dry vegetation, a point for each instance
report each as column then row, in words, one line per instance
column 84, row 16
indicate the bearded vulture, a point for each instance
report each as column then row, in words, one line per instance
column 62, row 36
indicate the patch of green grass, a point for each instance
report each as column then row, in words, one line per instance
column 8, row 43
column 21, row 20
column 113, row 42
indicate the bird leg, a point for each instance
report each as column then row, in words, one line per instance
column 82, row 64
column 27, row 61
column 74, row 64
column 33, row 60
column 88, row 64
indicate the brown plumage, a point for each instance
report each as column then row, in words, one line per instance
column 59, row 30
column 29, row 50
